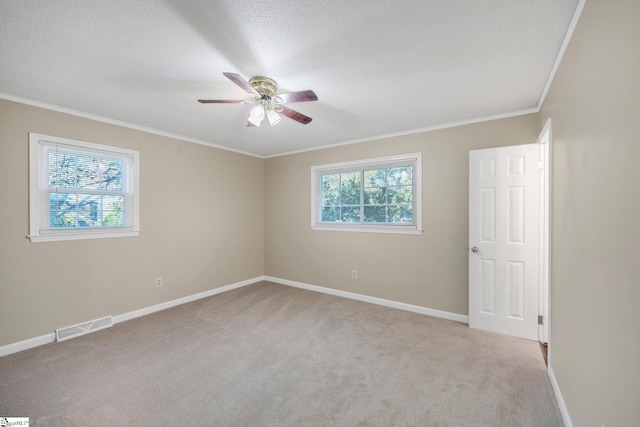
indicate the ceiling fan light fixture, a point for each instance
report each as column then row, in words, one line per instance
column 274, row 118
column 257, row 115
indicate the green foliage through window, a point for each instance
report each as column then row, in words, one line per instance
column 383, row 195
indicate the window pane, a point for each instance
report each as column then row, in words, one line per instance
column 61, row 170
column 62, row 201
column 59, row 219
column 330, row 213
column 350, row 214
column 112, row 203
column 374, row 214
column 113, row 219
column 330, row 189
column 350, row 188
column 397, row 195
column 111, row 174
column 112, row 211
column 399, row 176
column 88, row 211
column 330, row 197
column 375, row 196
column 401, row 214
column 350, row 180
column 88, row 173
column 375, row 178
column 350, row 196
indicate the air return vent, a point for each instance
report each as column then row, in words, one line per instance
column 83, row 328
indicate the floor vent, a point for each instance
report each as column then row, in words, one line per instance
column 83, row 328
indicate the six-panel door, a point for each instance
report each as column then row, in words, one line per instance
column 504, row 227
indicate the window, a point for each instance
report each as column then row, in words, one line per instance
column 381, row 195
column 79, row 190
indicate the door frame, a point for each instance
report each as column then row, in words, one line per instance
column 544, row 301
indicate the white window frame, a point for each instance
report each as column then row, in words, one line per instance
column 38, row 231
column 413, row 159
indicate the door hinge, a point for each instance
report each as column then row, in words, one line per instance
column 540, row 165
column 540, row 318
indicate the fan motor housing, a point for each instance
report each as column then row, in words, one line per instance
column 264, row 85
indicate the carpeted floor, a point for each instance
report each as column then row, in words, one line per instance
column 271, row 355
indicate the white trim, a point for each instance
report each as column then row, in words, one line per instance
column 50, row 338
column 561, row 403
column 549, row 238
column 413, row 131
column 413, row 159
column 81, row 235
column 103, row 119
column 399, row 158
column 16, row 347
column 169, row 304
column 368, row 228
column 373, row 300
column 544, row 141
column 561, row 51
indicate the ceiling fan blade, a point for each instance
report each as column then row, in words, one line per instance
column 222, row 101
column 298, row 117
column 301, row 96
column 242, row 83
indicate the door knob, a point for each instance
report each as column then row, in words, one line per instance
column 474, row 249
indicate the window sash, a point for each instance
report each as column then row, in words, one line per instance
column 51, row 156
column 102, row 162
column 361, row 224
column 362, row 190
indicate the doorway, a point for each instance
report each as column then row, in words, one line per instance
column 509, row 233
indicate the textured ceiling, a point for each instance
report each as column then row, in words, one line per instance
column 378, row 67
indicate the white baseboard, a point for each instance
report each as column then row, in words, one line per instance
column 559, row 398
column 373, row 300
column 163, row 306
column 27, row 344
column 49, row 338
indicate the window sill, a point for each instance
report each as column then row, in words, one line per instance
column 81, row 235
column 388, row 229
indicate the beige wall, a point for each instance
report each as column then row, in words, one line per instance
column 210, row 236
column 595, row 313
column 428, row 270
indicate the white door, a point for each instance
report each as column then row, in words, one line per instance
column 504, row 239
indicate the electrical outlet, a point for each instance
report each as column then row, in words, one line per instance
column 159, row 282
column 354, row 274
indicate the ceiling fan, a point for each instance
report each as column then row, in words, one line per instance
column 263, row 91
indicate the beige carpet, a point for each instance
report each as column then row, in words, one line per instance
column 271, row 355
